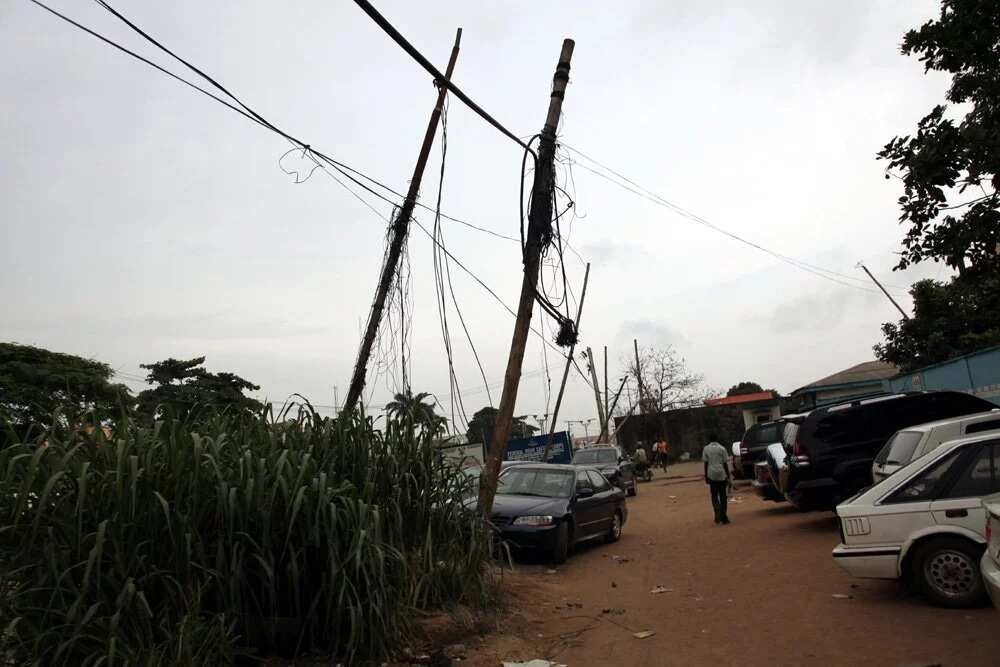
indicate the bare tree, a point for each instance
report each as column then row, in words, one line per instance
column 665, row 381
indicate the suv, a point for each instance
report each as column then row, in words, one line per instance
column 754, row 444
column 915, row 441
column 834, row 446
column 612, row 464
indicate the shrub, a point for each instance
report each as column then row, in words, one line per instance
column 170, row 545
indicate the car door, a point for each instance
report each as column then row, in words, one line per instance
column 960, row 503
column 604, row 492
column 586, row 506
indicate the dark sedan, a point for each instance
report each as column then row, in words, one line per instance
column 609, row 460
column 552, row 507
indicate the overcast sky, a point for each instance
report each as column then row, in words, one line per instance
column 142, row 221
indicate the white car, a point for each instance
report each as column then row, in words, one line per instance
column 735, row 462
column 914, row 441
column 990, row 565
column 926, row 523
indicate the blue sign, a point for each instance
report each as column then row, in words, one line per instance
column 532, row 449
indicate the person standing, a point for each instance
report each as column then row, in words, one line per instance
column 717, row 477
column 664, row 448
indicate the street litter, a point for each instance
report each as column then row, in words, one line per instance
column 551, row 571
column 620, row 559
column 644, row 634
column 537, row 662
column 617, row 611
column 661, row 589
column 842, row 596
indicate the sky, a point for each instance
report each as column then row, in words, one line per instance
column 141, row 220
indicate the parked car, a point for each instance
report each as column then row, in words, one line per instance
column 915, row 441
column 553, row 507
column 609, row 460
column 737, row 466
column 834, row 447
column 990, row 564
column 767, row 473
column 755, row 442
column 926, row 523
column 475, row 469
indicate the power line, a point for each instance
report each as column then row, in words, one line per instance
column 827, row 274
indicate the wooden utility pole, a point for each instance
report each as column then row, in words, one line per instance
column 887, row 295
column 597, row 392
column 638, row 372
column 398, row 233
column 569, row 362
column 606, row 431
column 607, row 413
column 539, row 228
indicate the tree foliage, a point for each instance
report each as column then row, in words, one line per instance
column 744, row 388
column 954, row 158
column 408, row 404
column 664, row 380
column 183, row 388
column 482, row 423
column 35, row 384
column 949, row 319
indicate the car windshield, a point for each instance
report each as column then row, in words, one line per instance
column 592, row 456
column 764, row 434
column 520, row 481
column 472, row 471
column 899, row 449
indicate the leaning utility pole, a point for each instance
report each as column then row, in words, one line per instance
column 398, row 233
column 607, row 413
column 606, row 431
column 539, row 229
column 887, row 295
column 638, row 372
column 597, row 391
column 569, row 362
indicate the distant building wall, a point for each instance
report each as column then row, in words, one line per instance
column 686, row 430
column 977, row 373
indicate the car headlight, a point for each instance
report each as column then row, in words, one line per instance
column 533, row 520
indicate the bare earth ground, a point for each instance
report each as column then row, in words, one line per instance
column 756, row 592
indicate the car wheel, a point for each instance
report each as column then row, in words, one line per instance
column 615, row 533
column 560, row 548
column 634, row 488
column 946, row 570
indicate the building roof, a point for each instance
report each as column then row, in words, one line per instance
column 739, row 399
column 864, row 373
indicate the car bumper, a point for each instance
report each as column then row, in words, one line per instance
column 767, row 491
column 868, row 562
column 991, row 577
column 813, row 493
column 529, row 537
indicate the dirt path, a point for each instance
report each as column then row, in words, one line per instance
column 756, row 592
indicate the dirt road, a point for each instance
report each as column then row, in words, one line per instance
column 756, row 592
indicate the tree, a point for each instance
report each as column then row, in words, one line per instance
column 184, row 387
column 408, row 403
column 949, row 319
column 744, row 388
column 482, row 423
column 946, row 157
column 664, row 380
column 36, row 383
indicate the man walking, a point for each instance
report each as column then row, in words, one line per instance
column 716, row 461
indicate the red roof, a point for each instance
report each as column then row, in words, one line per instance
column 741, row 398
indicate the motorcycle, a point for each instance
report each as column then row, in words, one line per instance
column 643, row 471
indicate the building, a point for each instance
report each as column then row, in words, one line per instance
column 760, row 406
column 863, row 379
column 976, row 373
column 687, row 430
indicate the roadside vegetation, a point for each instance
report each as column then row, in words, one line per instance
column 196, row 541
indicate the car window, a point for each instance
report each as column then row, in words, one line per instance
column 788, row 438
column 764, row 434
column 924, row 485
column 979, row 427
column 899, row 449
column 979, row 477
column 583, row 481
column 523, row 481
column 597, row 479
column 592, row 456
column 840, row 427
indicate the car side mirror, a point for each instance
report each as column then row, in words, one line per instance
column 584, row 492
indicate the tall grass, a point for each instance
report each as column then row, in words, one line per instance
column 182, row 545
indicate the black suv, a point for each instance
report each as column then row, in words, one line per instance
column 609, row 460
column 754, row 444
column 834, row 446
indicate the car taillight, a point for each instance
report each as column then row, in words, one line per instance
column 743, row 449
column 799, row 456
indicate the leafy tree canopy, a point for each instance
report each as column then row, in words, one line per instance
column 35, row 383
column 953, row 158
column 409, row 404
column 744, row 388
column 482, row 423
column 184, row 386
column 949, row 319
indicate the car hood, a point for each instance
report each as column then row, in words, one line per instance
column 513, row 506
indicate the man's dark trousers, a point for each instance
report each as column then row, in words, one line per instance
column 719, row 499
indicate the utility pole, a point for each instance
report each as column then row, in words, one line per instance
column 569, row 362
column 597, row 391
column 638, row 372
column 607, row 413
column 398, row 233
column 539, row 228
column 606, row 432
column 887, row 295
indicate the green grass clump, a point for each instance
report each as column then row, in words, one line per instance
column 188, row 545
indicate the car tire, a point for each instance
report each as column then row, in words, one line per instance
column 946, row 572
column 634, row 489
column 615, row 533
column 560, row 547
